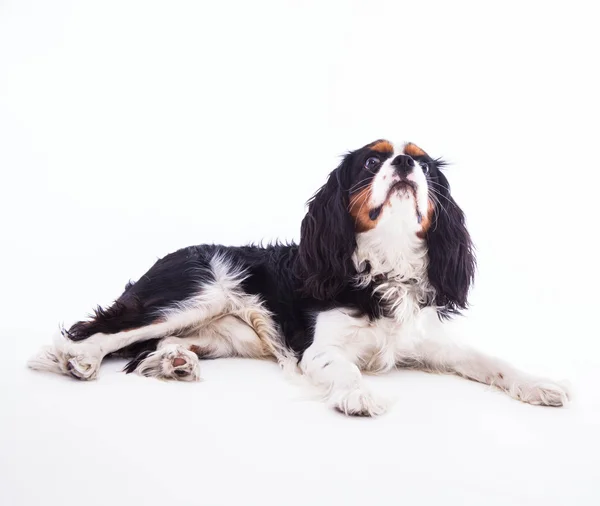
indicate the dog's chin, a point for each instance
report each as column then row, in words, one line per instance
column 402, row 190
column 406, row 191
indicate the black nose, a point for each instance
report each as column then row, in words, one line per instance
column 404, row 164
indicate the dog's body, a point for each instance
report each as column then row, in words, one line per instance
column 383, row 251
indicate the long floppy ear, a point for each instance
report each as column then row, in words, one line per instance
column 327, row 238
column 451, row 253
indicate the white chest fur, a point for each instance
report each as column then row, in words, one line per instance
column 394, row 259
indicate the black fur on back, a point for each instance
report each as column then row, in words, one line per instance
column 171, row 279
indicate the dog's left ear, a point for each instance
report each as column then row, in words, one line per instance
column 452, row 263
column 327, row 238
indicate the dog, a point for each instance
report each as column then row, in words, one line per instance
column 384, row 255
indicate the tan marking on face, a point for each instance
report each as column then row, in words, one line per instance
column 426, row 221
column 413, row 150
column 383, row 147
column 359, row 210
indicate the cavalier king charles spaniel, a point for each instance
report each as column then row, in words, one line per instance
column 384, row 257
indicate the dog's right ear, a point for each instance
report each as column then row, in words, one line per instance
column 327, row 238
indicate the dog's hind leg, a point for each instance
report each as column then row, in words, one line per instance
column 177, row 358
column 181, row 292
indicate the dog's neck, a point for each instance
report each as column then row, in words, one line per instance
column 395, row 265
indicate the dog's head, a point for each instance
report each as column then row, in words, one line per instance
column 388, row 195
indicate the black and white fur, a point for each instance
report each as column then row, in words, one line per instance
column 384, row 256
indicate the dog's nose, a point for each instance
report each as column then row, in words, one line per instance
column 404, row 164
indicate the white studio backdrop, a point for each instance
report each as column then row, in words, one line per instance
column 129, row 129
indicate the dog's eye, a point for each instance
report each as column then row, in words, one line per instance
column 372, row 163
column 425, row 168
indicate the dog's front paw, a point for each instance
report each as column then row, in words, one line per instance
column 358, row 402
column 541, row 392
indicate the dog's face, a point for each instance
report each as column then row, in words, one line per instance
column 391, row 193
column 391, row 183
